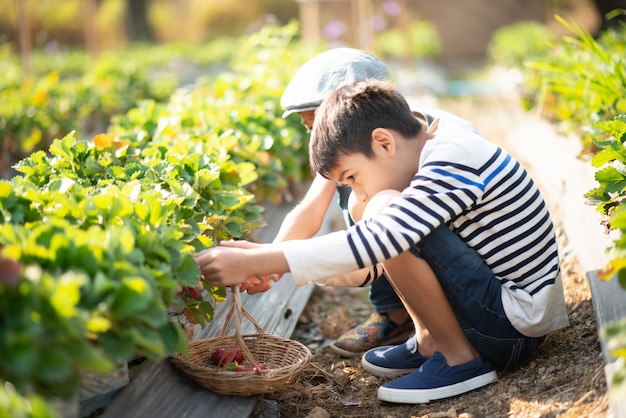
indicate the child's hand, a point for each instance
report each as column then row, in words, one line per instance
column 233, row 263
column 256, row 284
column 259, row 284
column 223, row 266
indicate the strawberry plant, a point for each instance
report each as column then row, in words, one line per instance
column 582, row 80
column 100, row 233
column 114, row 226
column 19, row 406
column 241, row 108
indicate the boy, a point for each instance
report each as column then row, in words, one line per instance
column 458, row 225
column 314, row 80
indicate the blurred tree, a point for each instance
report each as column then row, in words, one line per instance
column 137, row 27
column 91, row 32
column 24, row 36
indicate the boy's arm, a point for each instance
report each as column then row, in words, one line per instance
column 305, row 220
column 235, row 262
column 302, row 222
column 239, row 261
column 360, row 278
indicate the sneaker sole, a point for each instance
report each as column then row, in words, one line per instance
column 345, row 353
column 392, row 341
column 415, row 396
column 384, row 371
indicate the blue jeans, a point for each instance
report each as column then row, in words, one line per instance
column 382, row 295
column 475, row 296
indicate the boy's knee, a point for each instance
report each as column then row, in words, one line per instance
column 379, row 202
column 355, row 207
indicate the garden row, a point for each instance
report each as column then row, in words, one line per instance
column 579, row 83
column 103, row 230
column 68, row 90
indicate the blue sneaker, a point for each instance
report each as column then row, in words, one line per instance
column 393, row 360
column 436, row 380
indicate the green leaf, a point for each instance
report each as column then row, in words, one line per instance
column 606, row 156
column 618, row 217
column 247, row 173
column 63, row 147
column 6, row 191
column 20, row 358
column 229, row 201
column 153, row 315
column 204, row 178
column 188, row 270
column 87, row 356
column 53, row 366
column 174, row 338
column 89, row 258
column 611, row 179
column 616, row 127
column 205, row 241
column 131, row 297
column 119, row 344
column 66, row 295
column 148, row 340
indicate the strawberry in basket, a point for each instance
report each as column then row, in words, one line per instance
column 222, row 357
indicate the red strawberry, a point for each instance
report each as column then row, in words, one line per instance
column 193, row 292
column 260, row 367
column 237, row 355
column 218, row 357
column 241, row 368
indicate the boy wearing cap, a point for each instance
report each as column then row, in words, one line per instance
column 317, row 78
column 457, row 223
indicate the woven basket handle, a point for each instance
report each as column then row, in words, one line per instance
column 237, row 309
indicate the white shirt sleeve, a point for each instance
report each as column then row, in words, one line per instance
column 309, row 259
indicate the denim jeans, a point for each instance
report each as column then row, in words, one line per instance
column 475, row 296
column 382, row 295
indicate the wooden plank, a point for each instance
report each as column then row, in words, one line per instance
column 609, row 301
column 159, row 390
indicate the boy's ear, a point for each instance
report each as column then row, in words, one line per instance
column 384, row 141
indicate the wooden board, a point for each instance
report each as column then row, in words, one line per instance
column 609, row 301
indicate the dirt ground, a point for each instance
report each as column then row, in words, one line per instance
column 565, row 378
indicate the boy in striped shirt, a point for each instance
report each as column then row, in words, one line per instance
column 458, row 226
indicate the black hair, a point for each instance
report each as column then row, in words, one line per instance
column 345, row 120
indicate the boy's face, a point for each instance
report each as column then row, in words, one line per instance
column 368, row 176
column 308, row 117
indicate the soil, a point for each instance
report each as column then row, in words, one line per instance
column 565, row 378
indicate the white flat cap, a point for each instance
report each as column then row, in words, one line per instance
column 325, row 73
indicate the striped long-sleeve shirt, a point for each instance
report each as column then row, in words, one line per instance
column 487, row 198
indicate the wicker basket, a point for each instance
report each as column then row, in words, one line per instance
column 282, row 357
